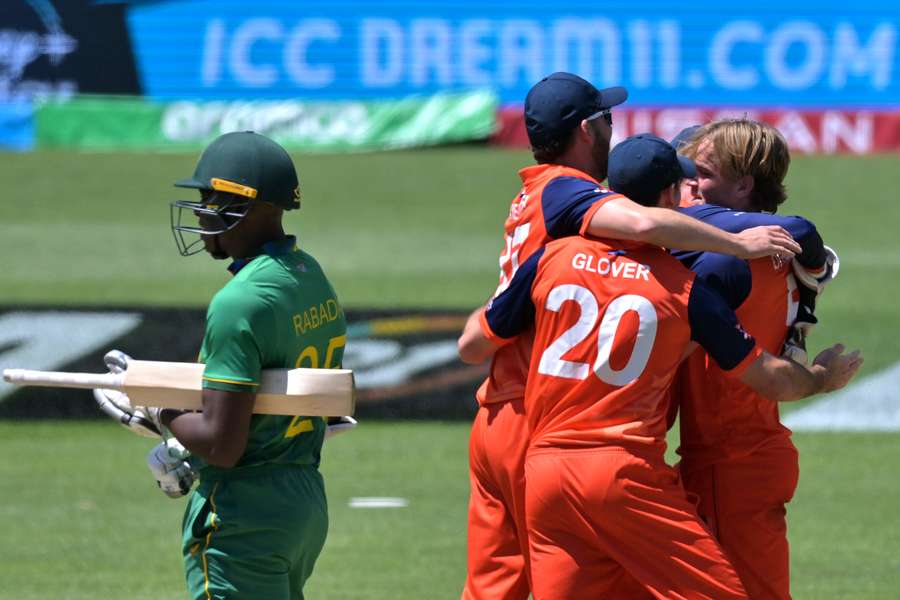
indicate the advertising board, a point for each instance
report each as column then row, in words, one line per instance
column 110, row 123
column 59, row 48
column 705, row 53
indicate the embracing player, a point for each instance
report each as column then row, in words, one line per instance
column 612, row 320
column 736, row 456
column 569, row 126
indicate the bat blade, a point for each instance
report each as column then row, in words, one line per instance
column 307, row 392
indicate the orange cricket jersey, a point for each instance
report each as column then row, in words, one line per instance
column 555, row 201
column 721, row 417
column 611, row 326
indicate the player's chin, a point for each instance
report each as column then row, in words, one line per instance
column 213, row 248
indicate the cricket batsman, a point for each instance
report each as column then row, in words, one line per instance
column 611, row 322
column 257, row 521
column 569, row 124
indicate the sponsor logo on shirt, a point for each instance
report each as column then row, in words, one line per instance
column 518, row 207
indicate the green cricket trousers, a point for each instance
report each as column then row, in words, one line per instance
column 254, row 533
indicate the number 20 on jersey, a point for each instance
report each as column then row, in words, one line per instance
column 553, row 364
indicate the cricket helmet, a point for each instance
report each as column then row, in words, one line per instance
column 235, row 171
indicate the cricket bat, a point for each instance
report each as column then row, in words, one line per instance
column 307, row 392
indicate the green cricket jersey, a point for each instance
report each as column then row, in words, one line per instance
column 279, row 311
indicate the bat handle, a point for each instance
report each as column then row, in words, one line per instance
column 64, row 380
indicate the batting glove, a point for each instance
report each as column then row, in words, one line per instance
column 141, row 420
column 172, row 472
column 795, row 344
column 338, row 425
column 810, row 284
column 817, row 279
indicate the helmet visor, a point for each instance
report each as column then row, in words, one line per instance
column 214, row 215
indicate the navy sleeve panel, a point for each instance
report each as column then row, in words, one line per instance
column 511, row 312
column 715, row 327
column 687, row 257
column 812, row 253
column 728, row 275
column 565, row 201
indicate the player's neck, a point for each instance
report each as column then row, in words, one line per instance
column 254, row 241
column 574, row 158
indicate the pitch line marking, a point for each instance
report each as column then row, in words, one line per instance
column 378, row 502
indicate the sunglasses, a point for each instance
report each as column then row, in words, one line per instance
column 606, row 114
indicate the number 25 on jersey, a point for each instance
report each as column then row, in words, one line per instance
column 509, row 260
column 310, row 358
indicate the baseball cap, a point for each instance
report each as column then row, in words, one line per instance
column 247, row 164
column 642, row 166
column 556, row 104
column 684, row 136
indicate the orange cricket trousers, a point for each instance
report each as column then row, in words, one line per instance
column 743, row 502
column 497, row 539
column 598, row 517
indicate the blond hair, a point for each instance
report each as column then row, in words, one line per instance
column 743, row 147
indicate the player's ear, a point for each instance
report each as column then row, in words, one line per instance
column 744, row 187
column 675, row 195
column 692, row 187
column 585, row 130
column 669, row 197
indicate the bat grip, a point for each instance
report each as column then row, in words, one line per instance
column 64, row 380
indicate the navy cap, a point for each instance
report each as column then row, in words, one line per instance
column 642, row 166
column 684, row 136
column 559, row 102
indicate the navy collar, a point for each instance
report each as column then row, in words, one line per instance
column 278, row 247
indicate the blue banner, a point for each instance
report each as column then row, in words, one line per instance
column 16, row 126
column 703, row 53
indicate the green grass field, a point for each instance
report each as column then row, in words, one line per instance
column 80, row 516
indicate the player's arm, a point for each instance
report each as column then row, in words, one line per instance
column 473, row 345
column 730, row 277
column 621, row 218
column 502, row 319
column 231, row 376
column 219, row 434
column 782, row 379
column 812, row 254
column 573, row 206
column 715, row 327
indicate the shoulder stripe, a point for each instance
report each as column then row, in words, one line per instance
column 589, row 214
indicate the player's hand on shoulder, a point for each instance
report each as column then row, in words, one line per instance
column 168, row 463
column 767, row 240
column 839, row 368
column 141, row 420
